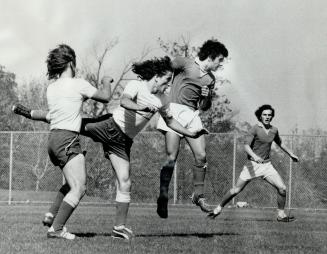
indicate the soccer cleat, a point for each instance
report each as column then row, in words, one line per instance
column 200, row 201
column 122, row 232
column 162, row 207
column 215, row 212
column 286, row 219
column 48, row 220
column 63, row 234
column 19, row 109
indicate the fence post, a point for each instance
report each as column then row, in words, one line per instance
column 234, row 163
column 290, row 178
column 175, row 183
column 10, row 167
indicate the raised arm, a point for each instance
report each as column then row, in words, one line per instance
column 103, row 94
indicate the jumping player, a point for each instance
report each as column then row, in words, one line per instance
column 191, row 90
column 258, row 146
column 141, row 99
column 65, row 95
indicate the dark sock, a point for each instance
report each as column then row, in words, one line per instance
column 165, row 178
column 65, row 211
column 198, row 179
column 59, row 198
column 121, row 213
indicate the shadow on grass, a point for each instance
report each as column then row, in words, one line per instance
column 199, row 235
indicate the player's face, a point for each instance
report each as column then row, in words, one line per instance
column 266, row 116
column 162, row 83
column 215, row 64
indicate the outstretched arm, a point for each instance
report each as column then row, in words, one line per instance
column 103, row 94
column 37, row 115
column 289, row 152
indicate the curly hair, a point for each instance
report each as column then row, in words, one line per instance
column 58, row 59
column 212, row 48
column 148, row 69
column 259, row 111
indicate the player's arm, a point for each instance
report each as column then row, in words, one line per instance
column 127, row 102
column 176, row 126
column 37, row 115
column 103, row 94
column 278, row 141
column 206, row 101
column 252, row 154
column 248, row 139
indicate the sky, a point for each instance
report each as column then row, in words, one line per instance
column 278, row 48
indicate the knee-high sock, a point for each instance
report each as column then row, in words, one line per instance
column 121, row 213
column 58, row 200
column 165, row 178
column 199, row 173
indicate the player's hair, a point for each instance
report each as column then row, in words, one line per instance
column 146, row 70
column 58, row 59
column 259, row 111
column 212, row 48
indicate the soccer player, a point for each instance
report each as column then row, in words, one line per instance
column 140, row 100
column 258, row 146
column 191, row 90
column 65, row 95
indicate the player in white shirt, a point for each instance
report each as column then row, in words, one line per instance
column 141, row 99
column 65, row 96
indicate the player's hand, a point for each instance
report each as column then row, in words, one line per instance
column 199, row 133
column 294, row 158
column 205, row 91
column 258, row 159
column 107, row 80
column 149, row 108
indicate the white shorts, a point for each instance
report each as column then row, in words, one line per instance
column 253, row 170
column 186, row 116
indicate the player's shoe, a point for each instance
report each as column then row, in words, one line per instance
column 286, row 219
column 63, row 234
column 48, row 220
column 162, row 207
column 200, row 201
column 19, row 109
column 122, row 232
column 215, row 212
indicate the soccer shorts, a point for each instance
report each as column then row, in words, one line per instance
column 186, row 116
column 107, row 132
column 253, row 170
column 63, row 145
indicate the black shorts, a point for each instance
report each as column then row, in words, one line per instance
column 106, row 131
column 63, row 145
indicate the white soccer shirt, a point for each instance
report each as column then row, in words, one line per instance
column 65, row 98
column 132, row 122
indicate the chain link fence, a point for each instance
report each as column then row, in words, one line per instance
column 28, row 176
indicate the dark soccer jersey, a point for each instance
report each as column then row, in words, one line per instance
column 261, row 142
column 188, row 81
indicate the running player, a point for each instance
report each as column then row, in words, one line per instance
column 258, row 146
column 141, row 99
column 191, row 89
column 65, row 95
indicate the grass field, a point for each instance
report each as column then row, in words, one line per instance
column 186, row 230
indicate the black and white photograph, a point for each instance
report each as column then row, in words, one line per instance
column 151, row 126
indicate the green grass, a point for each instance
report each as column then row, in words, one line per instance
column 186, row 230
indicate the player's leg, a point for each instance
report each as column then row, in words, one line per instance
column 239, row 186
column 123, row 196
column 54, row 208
column 75, row 175
column 276, row 181
column 199, row 171
column 166, row 172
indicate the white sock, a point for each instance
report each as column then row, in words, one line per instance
column 281, row 213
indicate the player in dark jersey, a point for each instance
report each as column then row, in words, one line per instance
column 191, row 90
column 258, row 146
